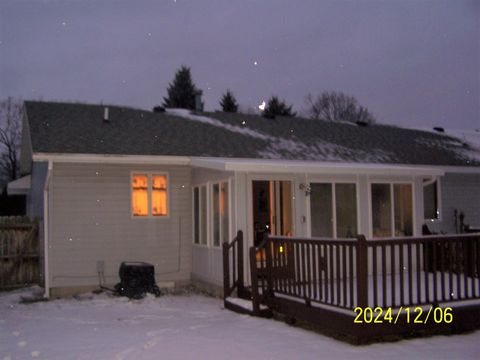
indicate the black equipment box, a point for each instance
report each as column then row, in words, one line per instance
column 136, row 279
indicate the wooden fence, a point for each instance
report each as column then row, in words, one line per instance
column 19, row 252
column 311, row 277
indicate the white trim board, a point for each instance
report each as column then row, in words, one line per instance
column 312, row 167
column 260, row 165
column 112, row 159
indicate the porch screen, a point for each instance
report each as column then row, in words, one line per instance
column 200, row 215
column 333, row 209
column 392, row 210
column 220, row 213
column 403, row 209
column 346, row 210
column 381, row 210
column 321, row 210
column 431, row 208
column 216, row 214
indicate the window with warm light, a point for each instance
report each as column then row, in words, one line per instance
column 211, row 214
column 392, row 210
column 149, row 195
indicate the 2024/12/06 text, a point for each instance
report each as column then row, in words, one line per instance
column 415, row 315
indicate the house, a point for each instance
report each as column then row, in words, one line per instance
column 114, row 183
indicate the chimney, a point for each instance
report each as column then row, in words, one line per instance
column 105, row 114
column 198, row 101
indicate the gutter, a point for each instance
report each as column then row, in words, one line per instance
column 46, row 221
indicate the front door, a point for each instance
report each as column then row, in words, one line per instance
column 272, row 209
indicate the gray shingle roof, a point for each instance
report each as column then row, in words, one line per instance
column 79, row 128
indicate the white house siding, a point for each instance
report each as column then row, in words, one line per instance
column 90, row 221
column 207, row 261
column 461, row 192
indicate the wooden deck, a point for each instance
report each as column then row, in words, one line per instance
column 400, row 281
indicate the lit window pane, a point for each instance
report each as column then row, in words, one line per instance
column 321, row 210
column 159, row 195
column 140, row 195
column 381, row 210
column 403, row 209
column 216, row 215
column 224, row 211
column 346, row 210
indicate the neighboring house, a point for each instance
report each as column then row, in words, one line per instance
column 114, row 184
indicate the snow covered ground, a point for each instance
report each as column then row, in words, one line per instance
column 186, row 326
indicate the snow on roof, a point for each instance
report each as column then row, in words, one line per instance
column 278, row 146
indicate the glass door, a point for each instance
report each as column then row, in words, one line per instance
column 272, row 209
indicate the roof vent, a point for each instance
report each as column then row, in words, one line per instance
column 361, row 123
column 105, row 114
column 439, row 129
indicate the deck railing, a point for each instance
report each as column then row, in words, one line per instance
column 233, row 270
column 347, row 273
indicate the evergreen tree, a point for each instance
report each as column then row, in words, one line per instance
column 228, row 102
column 277, row 107
column 181, row 92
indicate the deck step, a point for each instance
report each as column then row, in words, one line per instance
column 244, row 306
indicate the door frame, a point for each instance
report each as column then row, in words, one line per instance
column 249, row 204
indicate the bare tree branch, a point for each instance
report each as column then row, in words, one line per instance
column 11, row 113
column 333, row 106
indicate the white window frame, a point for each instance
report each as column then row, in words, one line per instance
column 149, row 175
column 200, row 228
column 392, row 205
column 439, row 202
column 212, row 214
column 334, row 201
column 209, row 220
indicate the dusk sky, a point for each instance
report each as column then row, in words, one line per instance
column 412, row 63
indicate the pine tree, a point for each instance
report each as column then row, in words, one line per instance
column 277, row 107
column 228, row 102
column 181, row 92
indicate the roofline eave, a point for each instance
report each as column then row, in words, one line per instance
column 314, row 167
column 112, row 159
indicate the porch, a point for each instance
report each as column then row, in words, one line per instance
column 361, row 290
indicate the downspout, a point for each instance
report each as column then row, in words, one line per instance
column 45, row 229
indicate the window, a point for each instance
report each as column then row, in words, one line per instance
column 218, row 203
column 200, row 215
column 392, row 210
column 220, row 213
column 333, row 209
column 431, row 199
column 149, row 195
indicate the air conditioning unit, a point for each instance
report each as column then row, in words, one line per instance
column 136, row 279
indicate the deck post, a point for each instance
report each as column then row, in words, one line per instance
column 240, row 281
column 226, row 270
column 362, row 271
column 268, row 252
column 254, row 275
